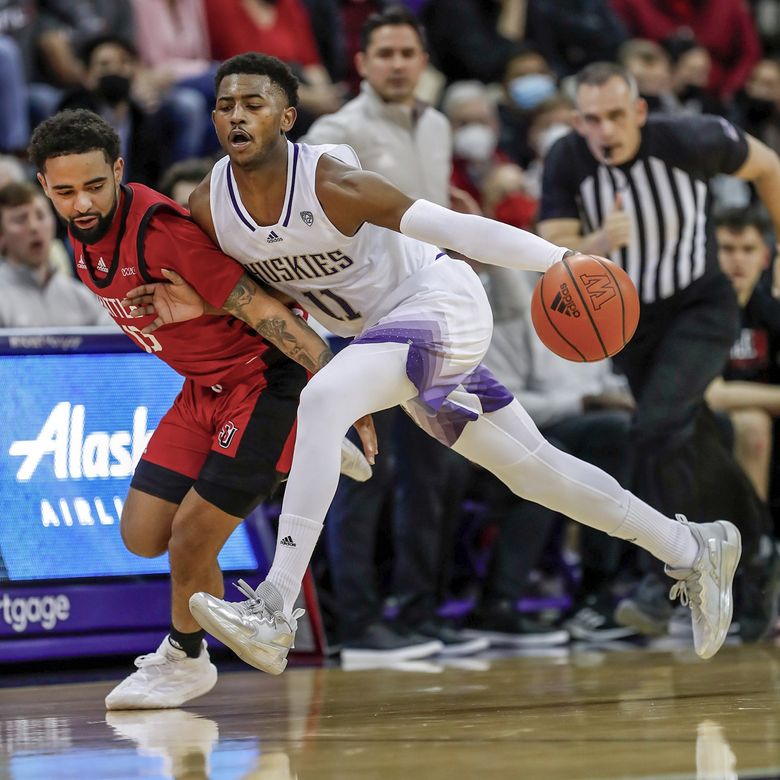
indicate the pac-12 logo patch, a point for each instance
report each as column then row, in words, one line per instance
column 308, row 218
column 226, row 434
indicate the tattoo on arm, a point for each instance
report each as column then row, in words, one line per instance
column 276, row 331
column 242, row 294
column 289, row 333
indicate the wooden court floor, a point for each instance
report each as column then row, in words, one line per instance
column 593, row 714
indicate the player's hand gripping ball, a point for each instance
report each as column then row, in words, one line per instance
column 585, row 308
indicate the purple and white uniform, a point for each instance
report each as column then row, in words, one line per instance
column 422, row 324
column 377, row 286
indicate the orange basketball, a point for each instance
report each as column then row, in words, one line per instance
column 585, row 308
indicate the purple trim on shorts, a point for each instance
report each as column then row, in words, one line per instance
column 236, row 207
column 432, row 410
column 491, row 393
column 292, row 185
column 441, row 254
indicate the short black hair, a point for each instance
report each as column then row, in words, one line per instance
column 72, row 132
column 261, row 65
column 88, row 47
column 395, row 15
column 736, row 220
column 599, row 73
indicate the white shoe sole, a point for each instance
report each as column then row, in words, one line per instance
column 731, row 552
column 260, row 655
column 137, row 702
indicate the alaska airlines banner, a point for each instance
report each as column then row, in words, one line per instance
column 72, row 428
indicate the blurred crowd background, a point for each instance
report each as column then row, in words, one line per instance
column 459, row 102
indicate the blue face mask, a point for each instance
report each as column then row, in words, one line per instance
column 528, row 92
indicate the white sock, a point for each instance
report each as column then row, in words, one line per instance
column 295, row 544
column 666, row 539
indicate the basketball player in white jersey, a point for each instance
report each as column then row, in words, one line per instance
column 364, row 259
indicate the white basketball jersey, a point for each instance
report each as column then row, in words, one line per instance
column 345, row 282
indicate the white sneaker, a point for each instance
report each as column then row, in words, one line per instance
column 256, row 630
column 706, row 587
column 181, row 740
column 353, row 462
column 165, row 678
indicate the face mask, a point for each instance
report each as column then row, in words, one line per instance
column 528, row 92
column 758, row 109
column 114, row 88
column 474, row 142
column 516, row 209
column 549, row 136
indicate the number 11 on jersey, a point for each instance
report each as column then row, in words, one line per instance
column 331, row 304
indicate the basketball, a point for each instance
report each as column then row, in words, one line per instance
column 585, row 308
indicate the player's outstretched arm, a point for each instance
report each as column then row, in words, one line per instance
column 351, row 197
column 177, row 301
column 277, row 324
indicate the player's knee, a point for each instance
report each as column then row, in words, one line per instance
column 138, row 539
column 319, row 406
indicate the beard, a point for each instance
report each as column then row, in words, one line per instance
column 94, row 234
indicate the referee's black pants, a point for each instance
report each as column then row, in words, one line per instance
column 682, row 464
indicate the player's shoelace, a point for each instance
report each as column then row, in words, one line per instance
column 151, row 659
column 688, row 592
column 256, row 606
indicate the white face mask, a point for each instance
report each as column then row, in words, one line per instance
column 549, row 136
column 475, row 142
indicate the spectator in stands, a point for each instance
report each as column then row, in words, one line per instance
column 749, row 390
column 724, row 27
column 177, row 70
column 549, row 121
column 408, row 142
column 182, row 178
column 600, row 195
column 386, row 124
column 528, row 82
column 32, row 292
column 111, row 65
column 477, row 40
column 283, row 29
column 570, row 34
column 759, row 104
column 649, row 63
column 691, row 76
column 34, row 58
column 68, row 27
column 585, row 409
column 473, row 116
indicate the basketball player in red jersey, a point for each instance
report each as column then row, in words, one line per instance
column 227, row 439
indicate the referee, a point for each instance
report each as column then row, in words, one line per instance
column 637, row 189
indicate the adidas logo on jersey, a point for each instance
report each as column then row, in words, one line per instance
column 101, row 266
column 273, row 238
column 81, row 263
column 288, row 542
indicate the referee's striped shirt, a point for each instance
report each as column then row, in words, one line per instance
column 665, row 190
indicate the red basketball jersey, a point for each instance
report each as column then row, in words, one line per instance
column 151, row 232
